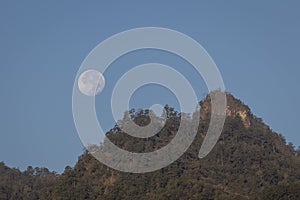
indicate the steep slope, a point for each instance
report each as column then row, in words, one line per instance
column 249, row 161
column 248, row 157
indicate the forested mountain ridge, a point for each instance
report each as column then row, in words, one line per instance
column 250, row 161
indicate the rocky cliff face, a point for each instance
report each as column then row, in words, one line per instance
column 235, row 108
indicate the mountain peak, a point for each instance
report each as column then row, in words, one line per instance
column 249, row 161
column 234, row 108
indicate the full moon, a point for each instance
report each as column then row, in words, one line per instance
column 91, row 82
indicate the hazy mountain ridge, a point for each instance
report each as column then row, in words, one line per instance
column 249, row 161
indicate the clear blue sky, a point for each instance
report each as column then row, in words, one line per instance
column 255, row 44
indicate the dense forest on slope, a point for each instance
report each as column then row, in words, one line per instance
column 250, row 161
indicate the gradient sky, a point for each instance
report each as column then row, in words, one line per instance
column 255, row 45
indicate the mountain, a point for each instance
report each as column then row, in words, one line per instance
column 250, row 161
